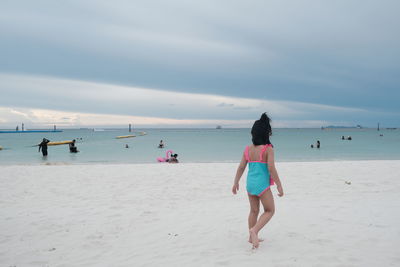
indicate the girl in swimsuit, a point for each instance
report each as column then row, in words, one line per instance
column 261, row 175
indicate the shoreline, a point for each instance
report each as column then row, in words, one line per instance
column 180, row 163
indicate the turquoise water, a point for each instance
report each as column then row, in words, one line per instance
column 200, row 145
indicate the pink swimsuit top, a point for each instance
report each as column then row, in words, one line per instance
column 246, row 154
column 259, row 179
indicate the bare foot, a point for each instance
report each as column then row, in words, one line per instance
column 254, row 238
column 259, row 240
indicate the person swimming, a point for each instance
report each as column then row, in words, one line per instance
column 173, row 159
column 161, row 144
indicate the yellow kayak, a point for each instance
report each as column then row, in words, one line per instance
column 125, row 136
column 56, row 143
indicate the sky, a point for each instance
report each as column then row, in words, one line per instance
column 170, row 63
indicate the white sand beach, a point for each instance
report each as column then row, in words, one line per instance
column 186, row 215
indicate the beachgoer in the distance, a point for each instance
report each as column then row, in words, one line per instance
column 173, row 159
column 312, row 146
column 43, row 146
column 349, row 138
column 261, row 175
column 72, row 147
column 126, row 146
column 161, row 145
column 318, row 144
column 342, row 137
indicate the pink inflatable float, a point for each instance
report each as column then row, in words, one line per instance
column 167, row 156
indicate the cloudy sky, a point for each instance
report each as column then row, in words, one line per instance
column 170, row 63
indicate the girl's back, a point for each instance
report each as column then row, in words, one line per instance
column 258, row 178
column 256, row 153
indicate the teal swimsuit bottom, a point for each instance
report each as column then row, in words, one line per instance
column 258, row 177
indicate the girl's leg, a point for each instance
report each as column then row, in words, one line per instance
column 267, row 201
column 254, row 210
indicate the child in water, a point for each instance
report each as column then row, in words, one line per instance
column 173, row 159
column 261, row 175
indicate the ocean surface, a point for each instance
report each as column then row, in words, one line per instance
column 198, row 145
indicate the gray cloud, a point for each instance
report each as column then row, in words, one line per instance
column 73, row 99
column 221, row 105
column 338, row 53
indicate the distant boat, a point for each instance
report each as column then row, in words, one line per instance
column 33, row 131
column 219, row 127
column 341, row 127
column 125, row 136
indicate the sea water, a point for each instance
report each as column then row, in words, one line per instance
column 198, row 145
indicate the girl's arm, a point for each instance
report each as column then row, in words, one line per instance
column 239, row 173
column 272, row 170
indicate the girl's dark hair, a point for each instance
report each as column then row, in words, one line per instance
column 261, row 131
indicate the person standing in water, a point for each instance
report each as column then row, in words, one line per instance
column 261, row 175
column 72, row 147
column 43, row 146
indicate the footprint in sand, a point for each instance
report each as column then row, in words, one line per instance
column 321, row 241
column 223, row 263
column 172, row 234
column 97, row 235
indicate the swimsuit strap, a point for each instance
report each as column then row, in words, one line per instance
column 246, row 153
column 262, row 152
